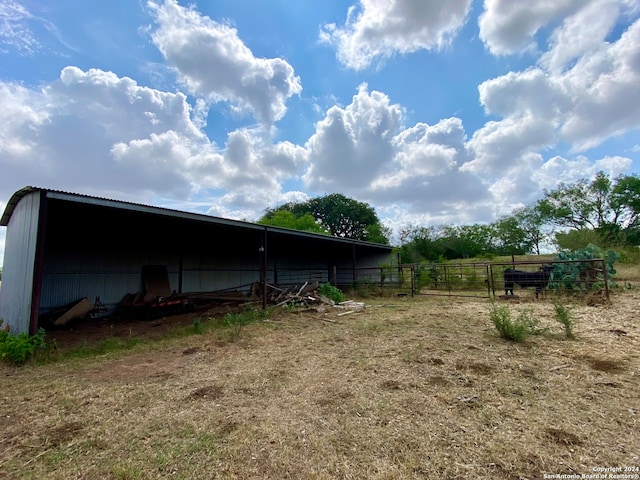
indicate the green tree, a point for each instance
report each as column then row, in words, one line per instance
column 445, row 242
column 521, row 232
column 340, row 216
column 625, row 198
column 610, row 208
column 509, row 237
column 420, row 243
column 467, row 241
column 287, row 219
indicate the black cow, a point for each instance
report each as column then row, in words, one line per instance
column 538, row 279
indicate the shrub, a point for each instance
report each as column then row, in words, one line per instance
column 513, row 330
column 17, row 349
column 331, row 292
column 197, row 326
column 239, row 320
column 565, row 317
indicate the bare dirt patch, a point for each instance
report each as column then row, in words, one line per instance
column 408, row 388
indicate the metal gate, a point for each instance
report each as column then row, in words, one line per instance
column 459, row 280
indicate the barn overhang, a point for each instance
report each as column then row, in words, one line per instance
column 87, row 246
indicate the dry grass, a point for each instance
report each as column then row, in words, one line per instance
column 423, row 388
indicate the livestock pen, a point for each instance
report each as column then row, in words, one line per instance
column 487, row 279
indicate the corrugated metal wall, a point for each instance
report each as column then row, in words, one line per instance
column 70, row 276
column 19, row 261
column 98, row 250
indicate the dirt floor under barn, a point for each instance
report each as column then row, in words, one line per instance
column 407, row 388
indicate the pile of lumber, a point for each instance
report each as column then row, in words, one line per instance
column 306, row 296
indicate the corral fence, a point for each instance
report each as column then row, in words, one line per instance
column 478, row 280
column 483, row 280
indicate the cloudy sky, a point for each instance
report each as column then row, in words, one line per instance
column 439, row 111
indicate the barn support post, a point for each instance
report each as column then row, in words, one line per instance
column 38, row 266
column 180, row 269
column 354, row 272
column 263, row 268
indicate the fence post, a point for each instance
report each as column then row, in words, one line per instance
column 491, row 280
column 606, row 280
column 413, row 280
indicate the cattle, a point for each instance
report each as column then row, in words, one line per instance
column 538, row 279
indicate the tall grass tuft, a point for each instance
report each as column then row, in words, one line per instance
column 238, row 320
column 564, row 316
column 513, row 330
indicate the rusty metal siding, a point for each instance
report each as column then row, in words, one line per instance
column 19, row 261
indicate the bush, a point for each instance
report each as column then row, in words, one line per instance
column 513, row 330
column 17, row 349
column 239, row 320
column 331, row 292
column 565, row 317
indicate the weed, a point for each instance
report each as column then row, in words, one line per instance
column 239, row 320
column 17, row 349
column 197, row 325
column 565, row 317
column 513, row 330
column 331, row 292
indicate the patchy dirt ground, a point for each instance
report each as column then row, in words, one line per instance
column 408, row 388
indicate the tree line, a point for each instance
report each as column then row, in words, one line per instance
column 602, row 211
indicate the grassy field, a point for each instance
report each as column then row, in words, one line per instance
column 420, row 388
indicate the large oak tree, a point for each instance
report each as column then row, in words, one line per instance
column 335, row 213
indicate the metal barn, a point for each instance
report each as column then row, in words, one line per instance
column 62, row 246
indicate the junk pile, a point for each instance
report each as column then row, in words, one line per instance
column 305, row 296
column 157, row 300
column 72, row 312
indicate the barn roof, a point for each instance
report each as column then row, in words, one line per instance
column 167, row 212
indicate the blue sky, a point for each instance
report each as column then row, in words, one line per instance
column 446, row 111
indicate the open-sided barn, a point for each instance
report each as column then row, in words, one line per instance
column 61, row 247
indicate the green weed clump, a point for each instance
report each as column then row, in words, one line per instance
column 197, row 326
column 564, row 316
column 239, row 320
column 17, row 349
column 331, row 292
column 514, row 330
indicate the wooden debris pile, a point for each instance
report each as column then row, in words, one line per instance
column 305, row 296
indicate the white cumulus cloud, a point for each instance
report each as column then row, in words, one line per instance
column 382, row 28
column 363, row 150
column 583, row 91
column 99, row 133
column 352, row 144
column 213, row 62
column 508, row 26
